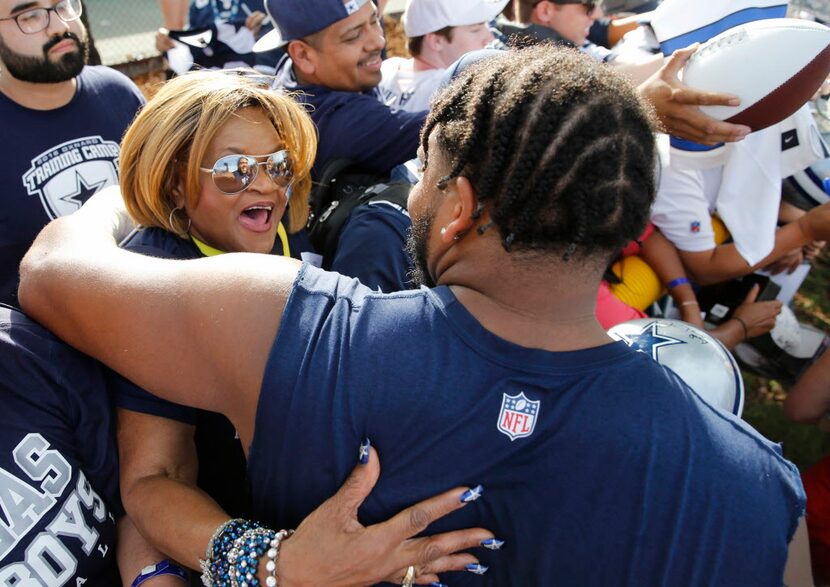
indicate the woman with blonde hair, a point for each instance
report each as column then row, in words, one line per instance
column 187, row 166
column 216, row 162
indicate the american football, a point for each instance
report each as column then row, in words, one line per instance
column 773, row 65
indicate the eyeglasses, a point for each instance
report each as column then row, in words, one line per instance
column 589, row 6
column 233, row 174
column 38, row 19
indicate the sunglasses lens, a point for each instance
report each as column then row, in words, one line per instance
column 234, row 173
column 278, row 167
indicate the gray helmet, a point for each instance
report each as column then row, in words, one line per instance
column 698, row 359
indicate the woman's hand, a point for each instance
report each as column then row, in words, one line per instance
column 331, row 547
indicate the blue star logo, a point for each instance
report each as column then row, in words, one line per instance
column 648, row 341
column 363, row 455
column 83, row 190
column 472, row 494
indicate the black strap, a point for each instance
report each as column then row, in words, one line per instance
column 343, row 187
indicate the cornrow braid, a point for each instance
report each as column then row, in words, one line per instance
column 560, row 146
column 479, row 117
column 452, row 110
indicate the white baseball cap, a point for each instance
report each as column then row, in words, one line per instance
column 427, row 16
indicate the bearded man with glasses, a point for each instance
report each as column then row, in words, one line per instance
column 62, row 122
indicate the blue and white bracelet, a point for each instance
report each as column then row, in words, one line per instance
column 234, row 551
column 164, row 567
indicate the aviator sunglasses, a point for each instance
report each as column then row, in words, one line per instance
column 589, row 6
column 233, row 174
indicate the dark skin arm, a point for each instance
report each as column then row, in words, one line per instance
column 724, row 262
column 676, row 105
column 662, row 257
column 221, row 315
column 750, row 319
column 809, row 399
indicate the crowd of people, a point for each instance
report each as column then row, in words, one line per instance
column 197, row 392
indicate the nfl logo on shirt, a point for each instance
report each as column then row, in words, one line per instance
column 518, row 414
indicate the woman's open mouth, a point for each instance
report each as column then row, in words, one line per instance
column 257, row 217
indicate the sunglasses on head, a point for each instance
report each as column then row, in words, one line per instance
column 589, row 6
column 233, row 174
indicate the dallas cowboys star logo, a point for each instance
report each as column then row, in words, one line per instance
column 83, row 190
column 472, row 494
column 648, row 341
column 363, row 456
column 477, row 569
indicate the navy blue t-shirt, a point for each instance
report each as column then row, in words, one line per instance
column 599, row 466
column 58, row 469
column 54, row 160
column 371, row 247
column 221, row 459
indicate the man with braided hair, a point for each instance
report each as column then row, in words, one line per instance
column 598, row 465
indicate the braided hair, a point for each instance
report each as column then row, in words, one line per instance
column 560, row 146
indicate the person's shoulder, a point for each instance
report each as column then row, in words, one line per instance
column 392, row 66
column 658, row 384
column 317, row 95
column 157, row 242
column 31, row 356
column 522, row 34
column 19, row 331
column 349, row 291
column 98, row 82
column 103, row 75
column 380, row 212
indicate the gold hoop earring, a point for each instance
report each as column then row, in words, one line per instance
column 172, row 225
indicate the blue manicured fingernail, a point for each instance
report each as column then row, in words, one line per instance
column 472, row 494
column 438, row 585
column 477, row 569
column 492, row 543
column 363, row 457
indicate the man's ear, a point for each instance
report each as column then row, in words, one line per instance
column 436, row 43
column 303, row 56
column 542, row 12
column 465, row 202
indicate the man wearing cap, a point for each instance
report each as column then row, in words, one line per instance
column 565, row 22
column 62, row 123
column 439, row 32
column 334, row 60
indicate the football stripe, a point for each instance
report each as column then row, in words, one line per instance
column 787, row 98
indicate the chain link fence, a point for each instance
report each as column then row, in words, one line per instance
column 124, row 31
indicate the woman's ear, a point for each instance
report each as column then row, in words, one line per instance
column 178, row 189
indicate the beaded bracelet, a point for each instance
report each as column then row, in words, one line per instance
column 272, row 554
column 245, row 554
column 234, row 552
column 215, row 567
